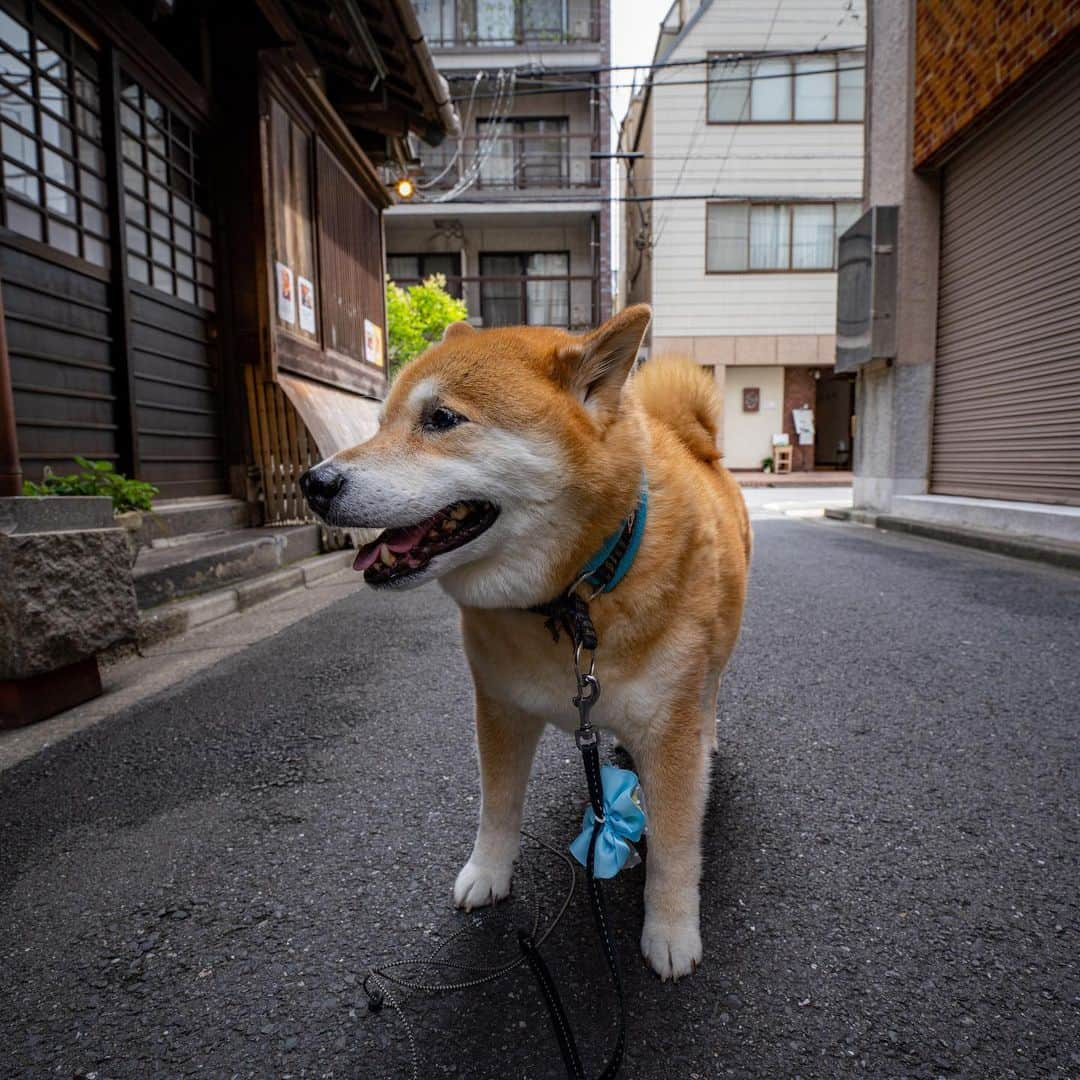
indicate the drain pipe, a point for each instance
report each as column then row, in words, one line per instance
column 450, row 122
column 10, row 470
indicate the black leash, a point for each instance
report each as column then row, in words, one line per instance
column 570, row 612
column 441, row 972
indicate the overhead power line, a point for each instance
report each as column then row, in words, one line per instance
column 729, row 57
column 712, row 196
column 570, row 88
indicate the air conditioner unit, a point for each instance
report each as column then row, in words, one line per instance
column 866, row 290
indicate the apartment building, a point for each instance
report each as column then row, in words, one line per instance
column 515, row 211
column 748, row 161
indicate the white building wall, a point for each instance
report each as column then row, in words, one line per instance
column 693, row 157
column 750, row 435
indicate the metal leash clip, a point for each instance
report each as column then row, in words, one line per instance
column 588, row 692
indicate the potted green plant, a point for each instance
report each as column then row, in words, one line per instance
column 767, row 465
column 131, row 499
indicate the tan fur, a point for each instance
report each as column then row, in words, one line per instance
column 677, row 392
column 666, row 632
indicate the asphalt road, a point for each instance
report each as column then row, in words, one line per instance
column 197, row 886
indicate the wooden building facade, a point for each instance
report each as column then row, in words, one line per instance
column 191, row 247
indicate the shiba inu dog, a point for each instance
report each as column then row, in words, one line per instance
column 503, row 460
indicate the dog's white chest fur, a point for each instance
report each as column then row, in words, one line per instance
column 544, row 687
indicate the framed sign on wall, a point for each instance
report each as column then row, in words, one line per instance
column 751, row 399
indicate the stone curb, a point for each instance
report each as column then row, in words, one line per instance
column 172, row 619
column 1066, row 556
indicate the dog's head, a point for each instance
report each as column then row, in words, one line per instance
column 501, row 456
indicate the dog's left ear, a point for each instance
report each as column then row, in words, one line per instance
column 598, row 364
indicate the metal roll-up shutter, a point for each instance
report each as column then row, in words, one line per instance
column 1007, row 381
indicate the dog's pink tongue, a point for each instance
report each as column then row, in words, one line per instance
column 400, row 540
column 367, row 555
column 397, row 540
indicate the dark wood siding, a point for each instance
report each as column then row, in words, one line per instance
column 176, row 395
column 62, row 368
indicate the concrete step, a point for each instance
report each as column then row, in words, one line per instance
column 172, row 520
column 166, row 621
column 212, row 560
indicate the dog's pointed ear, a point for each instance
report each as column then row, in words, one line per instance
column 597, row 365
column 458, row 329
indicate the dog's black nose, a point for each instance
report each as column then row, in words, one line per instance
column 320, row 485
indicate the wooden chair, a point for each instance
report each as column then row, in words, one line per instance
column 782, row 458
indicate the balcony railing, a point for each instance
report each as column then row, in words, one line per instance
column 512, row 161
column 570, row 301
column 504, row 23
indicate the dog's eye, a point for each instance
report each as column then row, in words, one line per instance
column 442, row 419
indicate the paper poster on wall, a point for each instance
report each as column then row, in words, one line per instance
column 306, row 292
column 286, row 297
column 804, row 425
column 373, row 343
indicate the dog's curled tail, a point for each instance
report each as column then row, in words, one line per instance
column 679, row 393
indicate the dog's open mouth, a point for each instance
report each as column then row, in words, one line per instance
column 400, row 552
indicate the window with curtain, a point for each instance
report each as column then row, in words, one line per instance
column 826, row 88
column 50, row 136
column 548, row 302
column 498, row 167
column 509, row 298
column 527, row 153
column 744, row 236
column 770, row 237
column 543, row 151
column 812, row 237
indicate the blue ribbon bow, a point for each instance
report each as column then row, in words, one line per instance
column 624, row 820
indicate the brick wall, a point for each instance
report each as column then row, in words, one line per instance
column 800, row 389
column 974, row 56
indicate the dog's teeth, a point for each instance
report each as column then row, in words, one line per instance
column 458, row 513
column 387, row 556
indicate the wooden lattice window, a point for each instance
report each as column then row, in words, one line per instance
column 294, row 238
column 53, row 159
column 350, row 259
column 167, row 230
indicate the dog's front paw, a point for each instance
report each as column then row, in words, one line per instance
column 478, row 886
column 672, row 949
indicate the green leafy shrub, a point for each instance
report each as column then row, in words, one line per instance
column 416, row 317
column 96, row 478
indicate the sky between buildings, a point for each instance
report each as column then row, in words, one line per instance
column 634, row 26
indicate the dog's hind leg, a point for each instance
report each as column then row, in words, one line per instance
column 506, row 741
column 675, row 778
